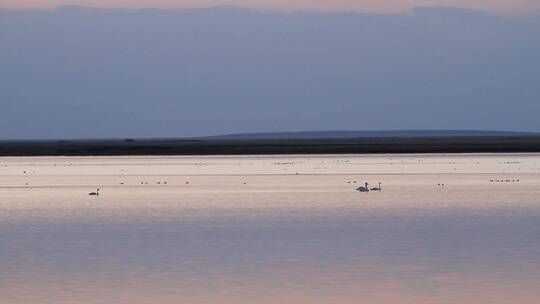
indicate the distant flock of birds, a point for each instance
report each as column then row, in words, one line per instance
column 364, row 188
column 504, row 180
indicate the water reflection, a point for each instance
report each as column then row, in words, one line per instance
column 353, row 258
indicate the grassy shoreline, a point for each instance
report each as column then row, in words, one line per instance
column 508, row 144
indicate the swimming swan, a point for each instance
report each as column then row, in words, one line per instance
column 377, row 188
column 363, row 189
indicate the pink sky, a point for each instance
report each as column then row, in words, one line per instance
column 498, row 6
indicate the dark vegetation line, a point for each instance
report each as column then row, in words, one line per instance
column 508, row 144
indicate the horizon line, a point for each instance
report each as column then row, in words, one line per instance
column 223, row 135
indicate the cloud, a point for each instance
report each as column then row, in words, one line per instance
column 83, row 72
column 499, row 6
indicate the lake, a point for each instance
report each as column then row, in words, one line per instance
column 271, row 229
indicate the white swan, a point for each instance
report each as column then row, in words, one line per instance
column 377, row 188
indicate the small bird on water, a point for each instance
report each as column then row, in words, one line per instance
column 94, row 193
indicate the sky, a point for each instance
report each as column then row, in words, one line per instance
column 386, row 6
column 77, row 72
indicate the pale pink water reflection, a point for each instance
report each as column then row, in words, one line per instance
column 251, row 230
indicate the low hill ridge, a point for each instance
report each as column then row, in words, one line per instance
column 369, row 134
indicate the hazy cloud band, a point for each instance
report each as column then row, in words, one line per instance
column 499, row 6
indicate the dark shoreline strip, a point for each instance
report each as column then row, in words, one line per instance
column 509, row 144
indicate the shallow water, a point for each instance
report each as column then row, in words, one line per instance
column 275, row 239
column 339, row 259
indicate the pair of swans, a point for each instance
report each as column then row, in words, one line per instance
column 367, row 189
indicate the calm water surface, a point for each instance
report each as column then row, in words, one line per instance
column 272, row 230
column 355, row 258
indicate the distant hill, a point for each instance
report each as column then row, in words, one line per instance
column 329, row 142
column 370, row 134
